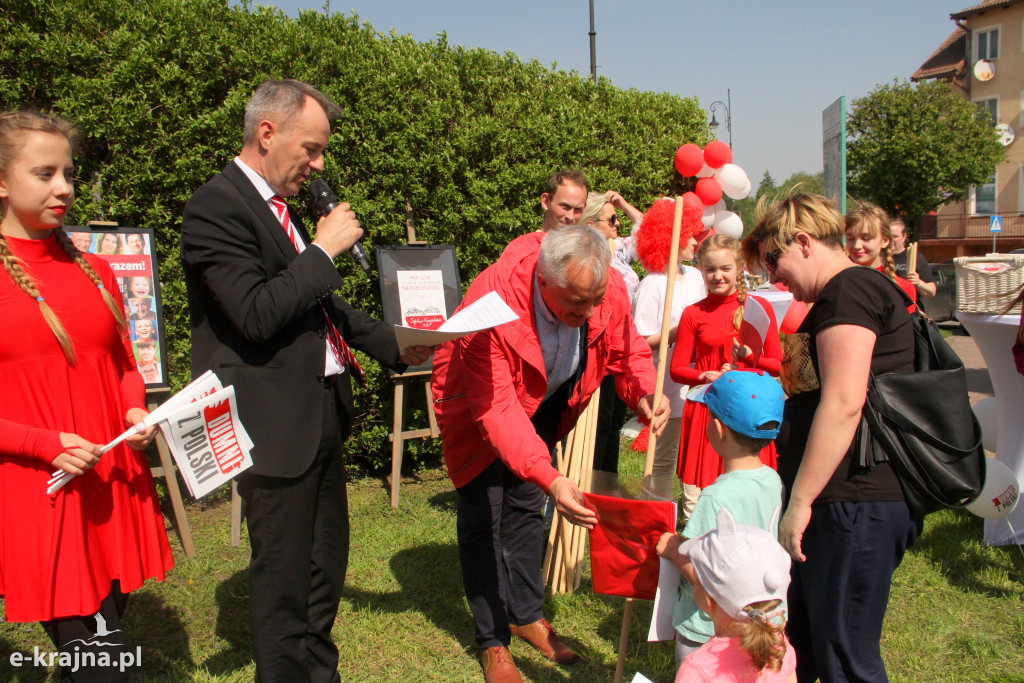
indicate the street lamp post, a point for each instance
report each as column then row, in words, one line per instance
column 713, row 124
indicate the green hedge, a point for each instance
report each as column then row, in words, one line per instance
column 466, row 136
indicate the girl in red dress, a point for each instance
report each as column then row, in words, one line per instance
column 68, row 383
column 869, row 243
column 713, row 338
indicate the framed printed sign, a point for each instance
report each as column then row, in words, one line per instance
column 131, row 254
column 419, row 286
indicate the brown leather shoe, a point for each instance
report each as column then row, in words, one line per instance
column 498, row 666
column 542, row 636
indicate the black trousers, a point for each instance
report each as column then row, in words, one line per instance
column 501, row 546
column 611, row 416
column 85, row 638
column 500, row 524
column 838, row 597
column 299, row 533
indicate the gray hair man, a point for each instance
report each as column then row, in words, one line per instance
column 504, row 397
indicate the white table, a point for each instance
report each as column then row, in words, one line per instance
column 779, row 300
column 994, row 336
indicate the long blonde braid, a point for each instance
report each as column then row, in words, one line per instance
column 14, row 268
column 116, row 309
column 741, row 291
column 14, row 125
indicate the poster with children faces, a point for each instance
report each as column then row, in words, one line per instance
column 131, row 254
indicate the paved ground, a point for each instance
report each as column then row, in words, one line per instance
column 979, row 385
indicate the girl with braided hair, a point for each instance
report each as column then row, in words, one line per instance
column 708, row 344
column 869, row 243
column 69, row 383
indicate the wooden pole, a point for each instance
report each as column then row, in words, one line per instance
column 666, row 325
column 659, row 386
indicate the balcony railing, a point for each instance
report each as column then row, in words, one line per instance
column 966, row 226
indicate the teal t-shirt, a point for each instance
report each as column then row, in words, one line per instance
column 753, row 497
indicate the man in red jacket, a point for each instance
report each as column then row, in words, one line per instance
column 504, row 397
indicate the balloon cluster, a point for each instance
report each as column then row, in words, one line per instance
column 716, row 175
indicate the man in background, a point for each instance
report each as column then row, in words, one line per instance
column 922, row 279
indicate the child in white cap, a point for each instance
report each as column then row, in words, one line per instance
column 742, row 574
column 744, row 415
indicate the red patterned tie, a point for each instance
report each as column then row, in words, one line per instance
column 337, row 343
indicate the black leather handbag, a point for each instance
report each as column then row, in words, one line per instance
column 923, row 423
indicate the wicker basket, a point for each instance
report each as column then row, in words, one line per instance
column 987, row 284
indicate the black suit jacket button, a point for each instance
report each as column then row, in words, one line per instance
column 322, row 334
column 320, row 377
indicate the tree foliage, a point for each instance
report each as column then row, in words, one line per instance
column 913, row 148
column 466, row 136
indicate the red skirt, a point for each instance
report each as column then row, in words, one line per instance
column 698, row 464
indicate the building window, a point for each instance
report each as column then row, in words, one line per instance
column 983, row 197
column 991, row 107
column 986, row 41
column 1020, row 189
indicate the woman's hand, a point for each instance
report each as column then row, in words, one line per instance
column 78, row 456
column 710, row 376
column 792, row 527
column 143, row 438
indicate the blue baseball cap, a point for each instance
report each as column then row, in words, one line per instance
column 744, row 401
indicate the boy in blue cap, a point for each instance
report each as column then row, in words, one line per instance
column 745, row 414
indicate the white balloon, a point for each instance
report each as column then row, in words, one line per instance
column 987, row 412
column 708, row 219
column 746, row 190
column 705, row 171
column 719, row 205
column 733, row 180
column 1000, row 493
column 728, row 223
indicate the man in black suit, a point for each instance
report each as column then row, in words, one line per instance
column 264, row 318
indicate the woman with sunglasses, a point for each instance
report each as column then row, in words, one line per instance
column 846, row 523
column 601, row 214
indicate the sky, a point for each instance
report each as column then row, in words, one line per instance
column 781, row 62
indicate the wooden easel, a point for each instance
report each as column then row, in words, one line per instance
column 399, row 435
column 155, row 397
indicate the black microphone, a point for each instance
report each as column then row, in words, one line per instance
column 324, row 202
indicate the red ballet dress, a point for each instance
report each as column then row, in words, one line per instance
column 60, row 553
column 705, row 338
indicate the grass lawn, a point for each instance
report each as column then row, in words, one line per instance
column 956, row 612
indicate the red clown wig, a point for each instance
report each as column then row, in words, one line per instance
column 654, row 238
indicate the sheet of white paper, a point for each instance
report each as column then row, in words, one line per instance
column 665, row 597
column 664, row 600
column 640, row 678
column 487, row 312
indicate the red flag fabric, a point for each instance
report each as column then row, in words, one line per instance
column 623, row 561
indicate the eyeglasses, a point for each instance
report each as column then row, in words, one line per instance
column 614, row 220
column 771, row 259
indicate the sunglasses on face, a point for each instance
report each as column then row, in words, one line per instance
column 771, row 259
column 614, row 220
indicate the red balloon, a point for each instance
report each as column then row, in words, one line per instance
column 717, row 154
column 708, row 190
column 691, row 199
column 689, row 160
